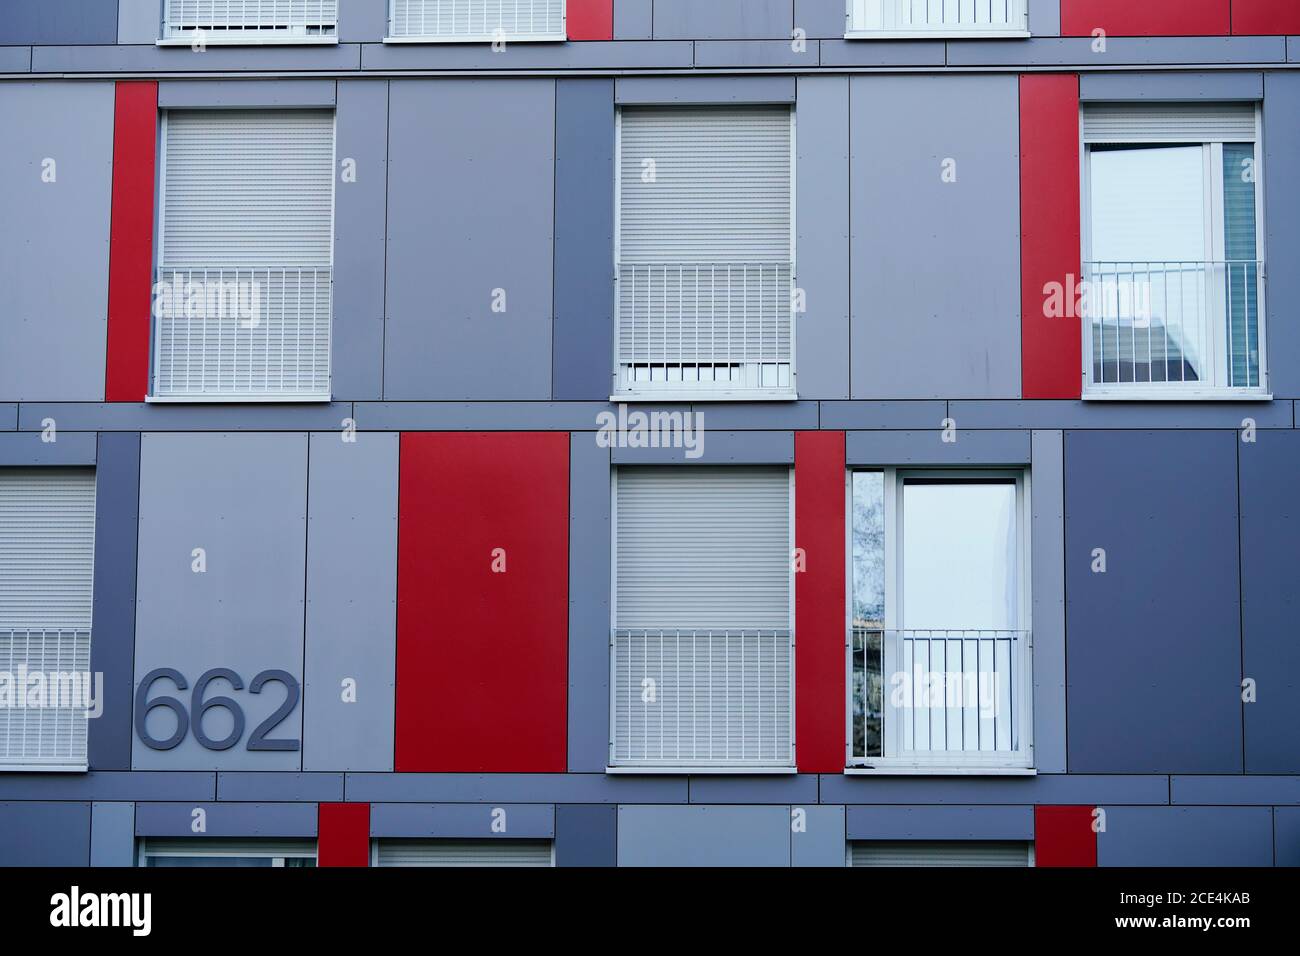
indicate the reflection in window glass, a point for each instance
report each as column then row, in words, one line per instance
column 868, row 609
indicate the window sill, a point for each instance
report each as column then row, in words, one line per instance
column 481, row 38
column 685, row 395
column 237, row 399
column 940, row 772
column 938, row 35
column 701, row 771
column 209, row 40
column 43, row 768
column 1130, row 394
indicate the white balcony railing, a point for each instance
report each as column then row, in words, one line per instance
column 705, row 329
column 1174, row 327
column 475, row 21
column 43, row 720
column 887, row 19
column 250, row 21
column 702, row 698
column 241, row 332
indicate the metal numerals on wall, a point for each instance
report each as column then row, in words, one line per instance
column 192, row 719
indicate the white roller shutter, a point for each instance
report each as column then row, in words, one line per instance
column 245, row 263
column 1169, row 123
column 479, row 20
column 47, row 557
column 275, row 20
column 464, row 853
column 259, row 849
column 927, row 853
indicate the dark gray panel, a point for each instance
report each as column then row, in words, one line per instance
column 589, row 604
column 226, row 819
column 351, row 603
column 787, row 789
column 703, row 836
column 181, row 59
column 112, row 646
column 586, row 835
column 1282, row 225
column 633, row 19
column 1047, row 588
column 360, row 201
column 929, row 448
column 821, row 841
column 824, row 19
column 756, row 53
column 362, row 21
column 15, row 59
column 1120, row 51
column 883, row 53
column 138, row 417
column 822, row 236
column 718, row 448
column 1071, row 788
column 1236, row 790
column 656, row 90
column 53, row 329
column 471, row 177
column 110, row 785
column 112, row 834
column 1270, row 555
column 936, row 294
column 511, row 788
column 19, row 449
column 1170, row 87
column 482, row 416
column 266, row 787
column 1155, row 642
column 940, row 823
column 584, row 239
column 759, row 416
column 870, row 415
column 244, row 94
column 44, row 834
column 139, row 21
column 1286, row 836
column 1186, row 836
column 1045, row 18
column 723, row 19
column 59, row 21
column 1076, row 415
column 588, row 55
column 526, row 821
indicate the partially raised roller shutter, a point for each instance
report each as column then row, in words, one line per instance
column 1169, row 123
column 928, row 853
column 464, row 853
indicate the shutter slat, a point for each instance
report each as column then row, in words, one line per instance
column 478, row 19
column 928, row 853
column 1173, row 123
column 464, row 853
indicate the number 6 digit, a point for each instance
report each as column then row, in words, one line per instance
column 200, row 707
column 143, row 706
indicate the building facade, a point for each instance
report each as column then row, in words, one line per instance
column 649, row 432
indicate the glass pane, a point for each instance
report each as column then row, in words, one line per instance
column 868, row 609
column 215, row 861
column 1241, row 270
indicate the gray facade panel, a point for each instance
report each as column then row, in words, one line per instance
column 480, row 416
column 182, row 59
column 1107, row 415
column 1286, row 836
column 883, row 53
column 703, row 90
column 226, row 819
column 112, row 646
column 24, row 449
column 1235, row 790
column 512, row 788
column 112, row 834
column 778, row 788
column 15, row 59
column 139, row 21
column 589, row 604
column 588, row 55
column 586, row 835
column 929, row 448
column 243, row 499
column 263, row 787
column 360, row 203
column 634, row 19
column 584, row 239
column 723, row 19
column 108, row 785
column 55, row 179
column 866, row 416
column 820, row 841
column 703, row 836
column 1047, row 589
column 940, row 823
column 139, row 417
column 822, row 236
column 1120, row 51
column 8, row 416
column 245, row 94
column 822, row 19
column 1062, row 789
column 951, row 329
column 1170, row 87
column 59, row 21
column 756, row 53
column 718, row 448
column 1186, row 836
column 1045, row 18
column 44, row 834
column 1282, row 228
column 362, row 21
column 1155, row 641
column 527, row 821
column 351, row 644
column 797, row 416
column 470, row 228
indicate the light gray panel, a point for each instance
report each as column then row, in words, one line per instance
column 1045, row 18
column 1170, row 87
column 791, row 789
column 108, row 785
column 226, row 819
column 54, row 270
column 664, row 90
column 289, row 787
column 1104, row 415
column 242, row 498
column 139, row 21
column 244, row 94
column 873, row 415
column 884, row 52
column 758, row 416
column 821, row 842
column 940, row 823
column 509, row 788
column 587, row 55
column 360, row 194
column 28, row 448
column 525, row 821
column 141, row 416
column 823, row 19
column 633, row 19
column 929, row 448
column 822, row 236
column 756, row 53
column 1120, row 51
column 112, row 834
column 471, row 177
column 1044, row 788
column 703, row 836
column 15, row 59
column 8, row 416
column 1047, row 587
column 181, row 59
column 363, row 21
column 589, row 600
column 723, row 19
column 717, row 448
column 936, row 264
column 484, row 416
column 351, row 602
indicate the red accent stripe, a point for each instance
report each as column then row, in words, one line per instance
column 1063, row 836
column 819, row 601
column 482, row 656
column 130, row 263
column 1052, row 357
column 591, row 19
column 1146, row 18
column 343, row 834
column 1265, row 17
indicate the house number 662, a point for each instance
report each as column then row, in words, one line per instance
column 200, row 704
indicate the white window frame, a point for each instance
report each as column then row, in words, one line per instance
column 852, row 32
column 1016, row 763
column 1212, row 158
column 244, row 37
column 560, row 37
column 223, row 848
column 652, row 769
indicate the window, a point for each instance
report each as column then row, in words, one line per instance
column 887, row 19
column 705, row 257
column 190, row 22
column 475, row 21
column 217, row 851
column 47, row 558
column 463, row 853
column 1174, row 269
column 940, row 642
column 243, row 298
column 703, row 640
column 937, row 853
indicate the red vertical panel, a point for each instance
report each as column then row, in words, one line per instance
column 1146, row 18
column 1063, row 836
column 343, row 834
column 591, row 19
column 1265, row 17
column 1051, row 348
column 130, row 263
column 819, row 601
column 482, row 654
